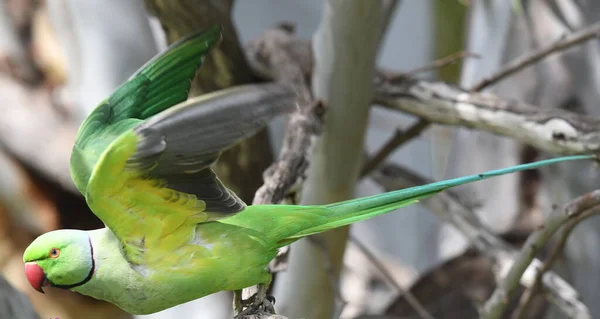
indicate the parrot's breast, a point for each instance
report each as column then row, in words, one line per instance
column 209, row 263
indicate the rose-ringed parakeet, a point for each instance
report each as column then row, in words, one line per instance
column 174, row 232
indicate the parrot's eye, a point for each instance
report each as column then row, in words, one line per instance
column 54, row 252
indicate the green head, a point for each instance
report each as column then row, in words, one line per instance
column 61, row 258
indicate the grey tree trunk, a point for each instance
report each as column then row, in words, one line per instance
column 345, row 53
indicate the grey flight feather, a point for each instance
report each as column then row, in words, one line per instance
column 178, row 145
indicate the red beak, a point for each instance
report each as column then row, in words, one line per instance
column 35, row 276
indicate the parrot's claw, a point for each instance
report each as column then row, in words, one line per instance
column 258, row 303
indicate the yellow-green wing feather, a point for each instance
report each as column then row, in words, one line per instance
column 153, row 184
column 141, row 211
column 158, row 85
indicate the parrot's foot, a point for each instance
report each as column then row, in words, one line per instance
column 258, row 303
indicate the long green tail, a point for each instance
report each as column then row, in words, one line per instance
column 354, row 210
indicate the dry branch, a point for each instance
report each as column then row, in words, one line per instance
column 450, row 207
column 269, row 56
column 510, row 68
column 552, row 130
column 529, row 295
column 495, row 306
column 398, row 139
column 565, row 42
column 410, row 298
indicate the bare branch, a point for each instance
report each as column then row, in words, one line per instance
column 278, row 55
column 495, row 306
column 450, row 207
column 552, row 130
column 304, row 127
column 400, row 138
column 440, row 63
column 410, row 298
column 556, row 251
column 518, row 64
column 437, row 64
column 269, row 55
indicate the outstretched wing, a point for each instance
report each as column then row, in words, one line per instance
column 154, row 184
column 158, row 85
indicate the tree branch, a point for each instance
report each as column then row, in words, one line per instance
column 398, row 139
column 451, row 208
column 552, row 130
column 269, row 56
column 437, row 64
column 556, row 251
column 495, row 306
column 410, row 298
column 518, row 64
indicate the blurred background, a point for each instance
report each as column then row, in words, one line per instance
column 59, row 58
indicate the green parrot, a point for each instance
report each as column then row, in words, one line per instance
column 173, row 232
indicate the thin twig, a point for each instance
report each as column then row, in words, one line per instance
column 565, row 42
column 399, row 138
column 556, row 251
column 496, row 305
column 443, row 62
column 410, row 298
column 436, row 64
